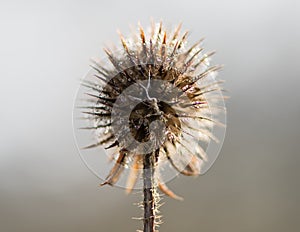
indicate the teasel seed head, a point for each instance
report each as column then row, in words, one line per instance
column 154, row 104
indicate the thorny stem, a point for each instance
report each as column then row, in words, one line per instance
column 149, row 198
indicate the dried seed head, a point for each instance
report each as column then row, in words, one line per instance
column 157, row 96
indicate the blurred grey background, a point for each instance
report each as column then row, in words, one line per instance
column 45, row 48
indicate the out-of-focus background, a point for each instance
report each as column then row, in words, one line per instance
column 45, row 48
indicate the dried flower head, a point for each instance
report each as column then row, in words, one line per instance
column 155, row 105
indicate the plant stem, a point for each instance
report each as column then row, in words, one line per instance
column 149, row 185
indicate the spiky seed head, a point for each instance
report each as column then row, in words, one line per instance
column 156, row 95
